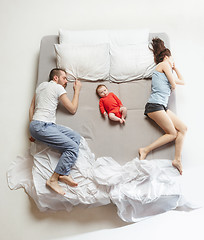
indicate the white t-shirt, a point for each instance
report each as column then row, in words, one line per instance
column 46, row 101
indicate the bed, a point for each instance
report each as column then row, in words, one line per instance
column 108, row 169
column 134, row 95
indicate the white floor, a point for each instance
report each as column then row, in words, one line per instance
column 170, row 225
column 23, row 24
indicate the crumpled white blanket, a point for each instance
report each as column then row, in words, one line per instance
column 139, row 189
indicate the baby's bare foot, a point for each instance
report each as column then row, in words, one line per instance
column 121, row 120
column 142, row 153
column 68, row 180
column 177, row 164
column 55, row 186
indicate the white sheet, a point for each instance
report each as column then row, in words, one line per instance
column 139, row 189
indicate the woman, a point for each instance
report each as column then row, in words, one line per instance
column 163, row 82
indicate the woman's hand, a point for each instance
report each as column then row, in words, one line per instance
column 179, row 80
column 174, row 67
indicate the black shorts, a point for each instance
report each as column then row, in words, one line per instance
column 153, row 107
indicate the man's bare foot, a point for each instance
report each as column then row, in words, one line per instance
column 177, row 164
column 68, row 180
column 53, row 184
column 142, row 153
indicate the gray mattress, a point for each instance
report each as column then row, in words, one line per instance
column 107, row 138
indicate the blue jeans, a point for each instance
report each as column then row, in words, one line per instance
column 58, row 137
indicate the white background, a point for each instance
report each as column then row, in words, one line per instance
column 22, row 25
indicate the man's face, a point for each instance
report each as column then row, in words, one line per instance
column 62, row 80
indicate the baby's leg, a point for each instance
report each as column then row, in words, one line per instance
column 123, row 111
column 113, row 117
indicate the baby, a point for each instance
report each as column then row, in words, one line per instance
column 111, row 104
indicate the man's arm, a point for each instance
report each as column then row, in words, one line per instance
column 31, row 112
column 72, row 106
column 31, row 109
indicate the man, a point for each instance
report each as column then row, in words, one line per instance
column 42, row 114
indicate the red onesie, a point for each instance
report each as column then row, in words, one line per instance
column 110, row 104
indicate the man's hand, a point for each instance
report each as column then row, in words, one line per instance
column 72, row 106
column 77, row 85
column 32, row 139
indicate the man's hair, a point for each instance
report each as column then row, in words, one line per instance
column 55, row 72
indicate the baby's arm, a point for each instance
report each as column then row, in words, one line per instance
column 117, row 100
column 102, row 109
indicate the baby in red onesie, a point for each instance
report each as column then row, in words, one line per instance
column 110, row 104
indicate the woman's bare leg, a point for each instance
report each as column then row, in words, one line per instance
column 181, row 129
column 165, row 122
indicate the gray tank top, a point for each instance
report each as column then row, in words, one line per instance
column 161, row 89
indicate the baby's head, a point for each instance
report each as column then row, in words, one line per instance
column 102, row 90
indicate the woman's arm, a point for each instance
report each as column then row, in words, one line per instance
column 166, row 68
column 179, row 80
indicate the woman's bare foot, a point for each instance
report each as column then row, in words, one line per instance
column 68, row 180
column 177, row 164
column 53, row 184
column 142, row 153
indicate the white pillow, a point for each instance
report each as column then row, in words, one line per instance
column 129, row 36
column 84, row 62
column 131, row 62
column 128, row 61
column 83, row 37
column 92, row 37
